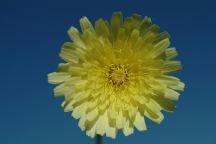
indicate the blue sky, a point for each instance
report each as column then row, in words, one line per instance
column 31, row 34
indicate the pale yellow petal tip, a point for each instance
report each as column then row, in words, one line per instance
column 158, row 120
column 73, row 32
column 117, row 73
column 85, row 24
column 139, row 122
column 50, row 78
column 147, row 19
column 57, row 77
column 182, row 86
column 128, row 132
column 117, row 15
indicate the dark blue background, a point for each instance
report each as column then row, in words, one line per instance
column 31, row 33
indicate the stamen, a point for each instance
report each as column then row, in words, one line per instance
column 117, row 75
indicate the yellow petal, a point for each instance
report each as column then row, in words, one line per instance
column 75, row 36
column 80, row 85
column 80, row 110
column 102, row 124
column 120, row 120
column 146, row 24
column 171, row 94
column 170, row 53
column 166, row 104
column 81, row 123
column 92, row 132
column 92, row 114
column 86, row 24
column 160, row 47
column 171, row 66
column 68, row 53
column 172, row 82
column 116, row 22
column 62, row 89
column 101, row 28
column 179, row 87
column 63, row 67
column 156, row 117
column 161, row 36
column 68, row 105
column 111, row 132
column 56, row 78
column 77, row 70
column 128, row 129
column 134, row 36
column 137, row 20
column 139, row 122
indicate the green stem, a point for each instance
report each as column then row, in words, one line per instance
column 98, row 139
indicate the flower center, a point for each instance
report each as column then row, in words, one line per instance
column 117, row 74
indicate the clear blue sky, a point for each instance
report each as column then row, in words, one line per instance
column 31, row 33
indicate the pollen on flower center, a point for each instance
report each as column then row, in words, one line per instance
column 117, row 74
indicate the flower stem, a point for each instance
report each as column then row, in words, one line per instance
column 98, row 139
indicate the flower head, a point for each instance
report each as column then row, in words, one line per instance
column 116, row 74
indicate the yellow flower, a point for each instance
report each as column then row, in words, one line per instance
column 116, row 73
